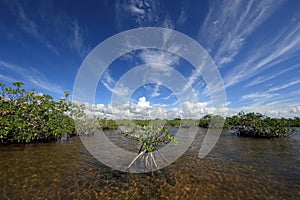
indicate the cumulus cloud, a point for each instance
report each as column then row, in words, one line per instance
column 143, row 109
column 143, row 103
column 199, row 109
column 191, row 110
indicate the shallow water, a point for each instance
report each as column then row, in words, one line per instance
column 237, row 168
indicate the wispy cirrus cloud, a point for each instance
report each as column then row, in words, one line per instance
column 23, row 20
column 183, row 13
column 276, row 88
column 274, row 102
column 172, row 95
column 30, row 76
column 155, row 92
column 273, row 94
column 160, row 57
column 65, row 31
column 77, row 42
column 275, row 51
column 228, row 24
column 29, row 25
column 258, row 96
column 287, row 97
column 143, row 12
column 6, row 78
column 264, row 78
column 110, row 84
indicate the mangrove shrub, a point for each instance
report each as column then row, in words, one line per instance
column 150, row 138
column 258, row 125
column 26, row 116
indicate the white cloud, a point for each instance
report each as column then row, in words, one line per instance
column 192, row 110
column 144, row 110
column 143, row 102
column 158, row 112
column 156, row 91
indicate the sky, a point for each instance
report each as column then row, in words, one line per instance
column 254, row 45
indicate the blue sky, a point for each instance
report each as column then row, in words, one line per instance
column 254, row 44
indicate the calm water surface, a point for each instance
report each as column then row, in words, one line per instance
column 237, row 168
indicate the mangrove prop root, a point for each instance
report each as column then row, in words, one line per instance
column 140, row 154
column 149, row 159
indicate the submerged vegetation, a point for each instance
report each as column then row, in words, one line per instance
column 26, row 116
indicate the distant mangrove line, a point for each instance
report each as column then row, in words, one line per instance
column 28, row 117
